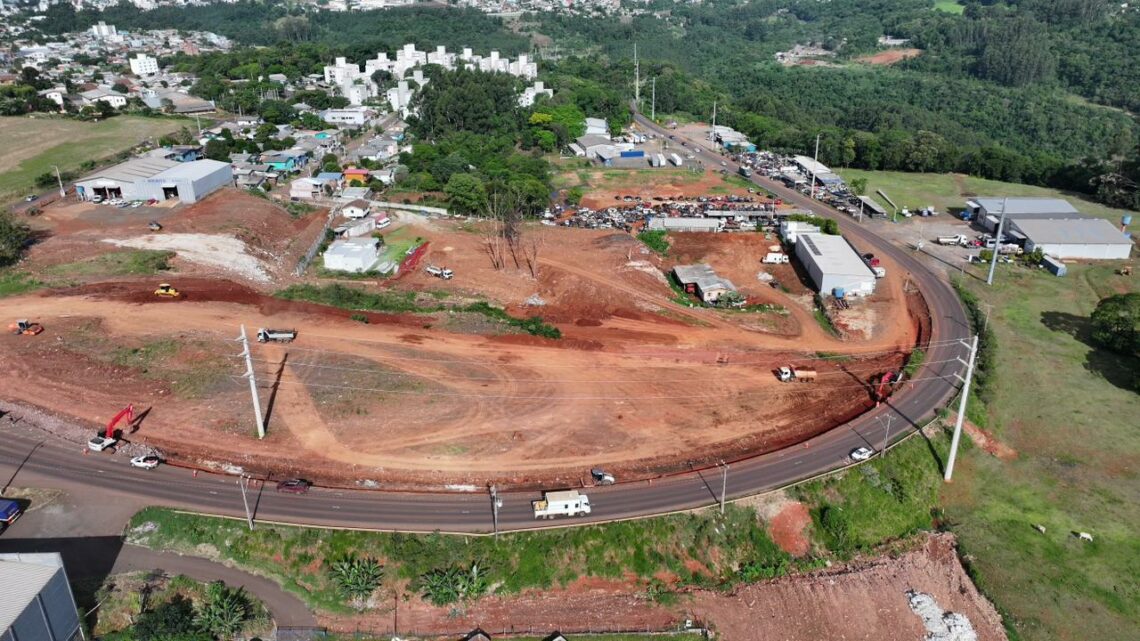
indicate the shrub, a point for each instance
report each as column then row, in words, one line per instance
column 656, row 240
column 357, row 577
column 450, row 585
column 224, row 612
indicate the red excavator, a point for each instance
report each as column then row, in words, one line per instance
column 881, row 392
column 107, row 439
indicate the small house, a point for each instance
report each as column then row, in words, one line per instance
column 356, row 209
column 356, row 255
column 702, row 280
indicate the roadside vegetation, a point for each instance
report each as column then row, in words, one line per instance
column 132, row 262
column 657, row 240
column 399, row 302
column 702, row 549
column 143, row 606
column 13, row 283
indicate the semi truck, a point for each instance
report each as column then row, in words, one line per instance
column 561, row 503
column 958, row 239
column 9, row 512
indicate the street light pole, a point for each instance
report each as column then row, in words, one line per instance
column 59, row 179
column 997, row 242
column 723, row 484
column 495, row 505
column 961, row 411
column 245, row 501
column 887, row 438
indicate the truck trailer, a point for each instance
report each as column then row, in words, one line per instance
column 561, row 503
column 675, row 159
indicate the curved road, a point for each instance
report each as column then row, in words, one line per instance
column 51, row 463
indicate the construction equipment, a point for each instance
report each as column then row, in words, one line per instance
column 25, row 327
column 167, row 290
column 881, row 392
column 276, row 335
column 107, row 439
column 154, row 225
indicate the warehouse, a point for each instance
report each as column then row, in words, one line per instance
column 36, row 602
column 834, row 265
column 356, row 255
column 156, row 179
column 702, row 281
column 987, row 211
column 1087, row 238
column 685, row 224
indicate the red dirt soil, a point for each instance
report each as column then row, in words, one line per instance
column 891, row 57
column 865, row 600
column 648, row 185
column 788, row 529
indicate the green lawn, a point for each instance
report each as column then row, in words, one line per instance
column 945, row 191
column 32, row 145
column 131, row 262
column 949, row 6
column 1065, row 407
column 13, row 283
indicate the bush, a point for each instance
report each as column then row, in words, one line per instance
column 170, row 621
column 224, row 612
column 14, row 237
column 450, row 585
column 357, row 577
column 656, row 240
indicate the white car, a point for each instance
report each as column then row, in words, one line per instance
column 146, row 462
column 861, row 454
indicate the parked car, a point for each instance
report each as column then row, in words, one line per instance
column 294, row 486
column 146, row 462
column 861, row 454
column 30, row 198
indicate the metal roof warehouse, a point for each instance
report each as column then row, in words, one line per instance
column 157, row 179
column 834, row 264
column 1089, row 238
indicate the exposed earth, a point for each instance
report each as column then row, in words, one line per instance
column 639, row 383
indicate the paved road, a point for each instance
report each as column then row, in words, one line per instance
column 422, row 512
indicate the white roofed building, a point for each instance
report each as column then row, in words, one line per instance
column 833, row 264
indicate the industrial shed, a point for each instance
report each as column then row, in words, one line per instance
column 157, row 179
column 987, row 211
column 36, row 602
column 833, row 264
column 1087, row 238
column 702, row 281
column 685, row 224
column 356, row 255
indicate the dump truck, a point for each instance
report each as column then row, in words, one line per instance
column 9, row 512
column 276, row 335
column 561, row 503
column 958, row 239
column 775, row 258
column 790, row 374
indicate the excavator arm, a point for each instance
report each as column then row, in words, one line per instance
column 127, row 412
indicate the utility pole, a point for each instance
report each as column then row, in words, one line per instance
column 723, row 484
column 961, row 411
column 252, row 383
column 245, row 501
column 653, row 103
column 816, row 163
column 997, row 242
column 496, row 503
column 636, row 78
column 59, row 179
column 198, row 119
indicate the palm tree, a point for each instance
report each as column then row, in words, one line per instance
column 224, row 612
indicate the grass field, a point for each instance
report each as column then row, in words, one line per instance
column 949, row 6
column 945, row 191
column 1065, row 406
column 32, row 145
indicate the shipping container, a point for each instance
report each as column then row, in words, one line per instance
column 633, row 153
column 1055, row 267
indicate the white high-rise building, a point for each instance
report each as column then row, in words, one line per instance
column 144, row 65
column 103, row 30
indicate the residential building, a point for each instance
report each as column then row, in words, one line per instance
column 103, row 30
column 356, row 255
column 834, row 266
column 351, row 116
column 531, row 93
column 702, row 280
column 356, row 209
column 116, row 100
column 36, row 602
column 144, row 65
column 156, row 179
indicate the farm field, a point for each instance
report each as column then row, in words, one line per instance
column 32, row 145
column 945, row 191
column 1073, row 467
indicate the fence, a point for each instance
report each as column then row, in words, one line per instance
column 303, row 264
column 423, row 209
column 693, row 631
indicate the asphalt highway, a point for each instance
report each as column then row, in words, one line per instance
column 26, row 459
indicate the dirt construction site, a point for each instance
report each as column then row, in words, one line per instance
column 639, row 383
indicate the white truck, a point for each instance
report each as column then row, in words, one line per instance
column 880, row 272
column 789, row 374
column 775, row 258
column 958, row 239
column 276, row 335
column 676, row 160
column 561, row 503
column 439, row 272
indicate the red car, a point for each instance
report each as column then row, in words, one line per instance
column 294, row 486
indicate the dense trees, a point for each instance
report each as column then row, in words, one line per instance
column 14, row 237
column 1116, row 323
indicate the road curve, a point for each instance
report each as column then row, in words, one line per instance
column 54, row 462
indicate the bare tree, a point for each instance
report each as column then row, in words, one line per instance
column 532, row 246
column 505, row 236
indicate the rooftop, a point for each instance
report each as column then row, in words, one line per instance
column 1083, row 231
column 133, row 170
column 834, row 255
column 22, row 576
column 1025, row 205
column 703, row 276
column 810, row 165
column 192, row 170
